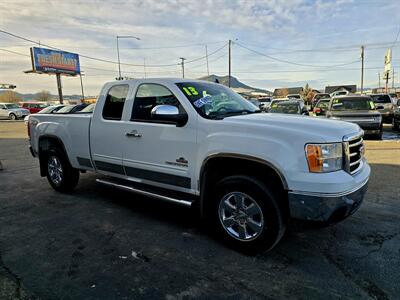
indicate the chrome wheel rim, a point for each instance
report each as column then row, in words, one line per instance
column 241, row 216
column 55, row 170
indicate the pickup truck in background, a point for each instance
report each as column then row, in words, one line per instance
column 200, row 144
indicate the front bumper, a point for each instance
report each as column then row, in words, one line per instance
column 326, row 207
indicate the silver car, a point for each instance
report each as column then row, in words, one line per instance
column 12, row 111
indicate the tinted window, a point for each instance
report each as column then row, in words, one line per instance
column 381, row 98
column 150, row 95
column 322, row 104
column 114, row 104
column 66, row 109
column 285, row 108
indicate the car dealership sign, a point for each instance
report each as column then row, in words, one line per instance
column 54, row 61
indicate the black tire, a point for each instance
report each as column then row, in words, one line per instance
column 273, row 214
column 12, row 117
column 380, row 134
column 69, row 176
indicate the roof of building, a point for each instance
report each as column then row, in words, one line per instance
column 352, row 88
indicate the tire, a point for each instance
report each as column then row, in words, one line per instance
column 253, row 225
column 12, row 117
column 380, row 134
column 60, row 174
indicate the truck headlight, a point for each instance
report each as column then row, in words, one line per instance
column 324, row 158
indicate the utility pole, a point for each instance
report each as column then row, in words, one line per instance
column 229, row 71
column 83, row 95
column 183, row 66
column 379, row 78
column 362, row 70
column 119, row 63
column 208, row 68
column 59, row 87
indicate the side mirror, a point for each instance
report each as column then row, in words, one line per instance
column 169, row 114
column 380, row 107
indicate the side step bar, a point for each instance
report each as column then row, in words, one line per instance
column 144, row 192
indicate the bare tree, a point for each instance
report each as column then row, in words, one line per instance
column 43, row 96
column 10, row 96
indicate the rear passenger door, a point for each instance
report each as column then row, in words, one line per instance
column 159, row 153
column 106, row 132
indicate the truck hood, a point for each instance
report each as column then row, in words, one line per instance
column 317, row 129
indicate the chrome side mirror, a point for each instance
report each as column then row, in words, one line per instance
column 168, row 114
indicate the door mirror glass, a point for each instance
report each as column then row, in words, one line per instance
column 168, row 113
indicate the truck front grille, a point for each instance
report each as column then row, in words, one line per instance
column 354, row 153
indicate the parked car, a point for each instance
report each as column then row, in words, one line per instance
column 386, row 106
column 288, row 107
column 47, row 110
column 396, row 117
column 321, row 106
column 294, row 96
column 357, row 109
column 34, row 107
column 12, row 111
column 265, row 103
column 87, row 110
column 72, row 108
column 318, row 97
column 200, row 144
column 339, row 93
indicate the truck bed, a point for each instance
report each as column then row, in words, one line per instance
column 72, row 129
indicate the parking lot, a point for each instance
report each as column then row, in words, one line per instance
column 99, row 243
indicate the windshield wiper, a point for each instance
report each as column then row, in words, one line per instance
column 235, row 113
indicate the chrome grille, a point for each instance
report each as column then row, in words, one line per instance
column 354, row 153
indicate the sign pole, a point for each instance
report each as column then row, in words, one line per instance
column 59, row 87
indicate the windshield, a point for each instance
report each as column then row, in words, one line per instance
column 285, row 108
column 360, row 103
column 215, row 101
column 381, row 98
column 65, row 109
column 320, row 96
column 12, row 106
column 49, row 109
column 294, row 96
column 88, row 109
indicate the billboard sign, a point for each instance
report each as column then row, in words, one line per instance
column 54, row 61
column 388, row 61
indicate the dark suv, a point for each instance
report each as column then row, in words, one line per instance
column 387, row 107
column 357, row 109
column 396, row 117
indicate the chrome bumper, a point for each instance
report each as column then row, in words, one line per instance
column 326, row 207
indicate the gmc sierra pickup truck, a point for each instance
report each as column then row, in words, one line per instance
column 200, row 144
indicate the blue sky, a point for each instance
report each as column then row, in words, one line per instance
column 297, row 42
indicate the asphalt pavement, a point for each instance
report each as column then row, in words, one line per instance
column 99, row 243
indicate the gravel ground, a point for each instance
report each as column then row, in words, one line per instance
column 99, row 243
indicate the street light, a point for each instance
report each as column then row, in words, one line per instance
column 123, row 37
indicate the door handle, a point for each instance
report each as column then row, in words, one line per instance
column 133, row 133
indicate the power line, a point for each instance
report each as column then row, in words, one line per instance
column 105, row 60
column 294, row 63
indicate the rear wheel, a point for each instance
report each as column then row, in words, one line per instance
column 12, row 116
column 60, row 174
column 248, row 214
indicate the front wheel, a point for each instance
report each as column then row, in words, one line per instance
column 12, row 116
column 395, row 125
column 60, row 174
column 248, row 214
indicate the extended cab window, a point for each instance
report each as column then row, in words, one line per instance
column 150, row 95
column 114, row 104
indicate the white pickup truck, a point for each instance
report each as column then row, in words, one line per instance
column 200, row 144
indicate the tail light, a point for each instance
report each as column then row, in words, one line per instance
column 317, row 110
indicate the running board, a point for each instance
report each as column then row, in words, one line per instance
column 144, row 192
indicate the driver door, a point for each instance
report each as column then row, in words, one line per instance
column 156, row 152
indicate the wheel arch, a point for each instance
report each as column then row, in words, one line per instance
column 45, row 143
column 217, row 166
